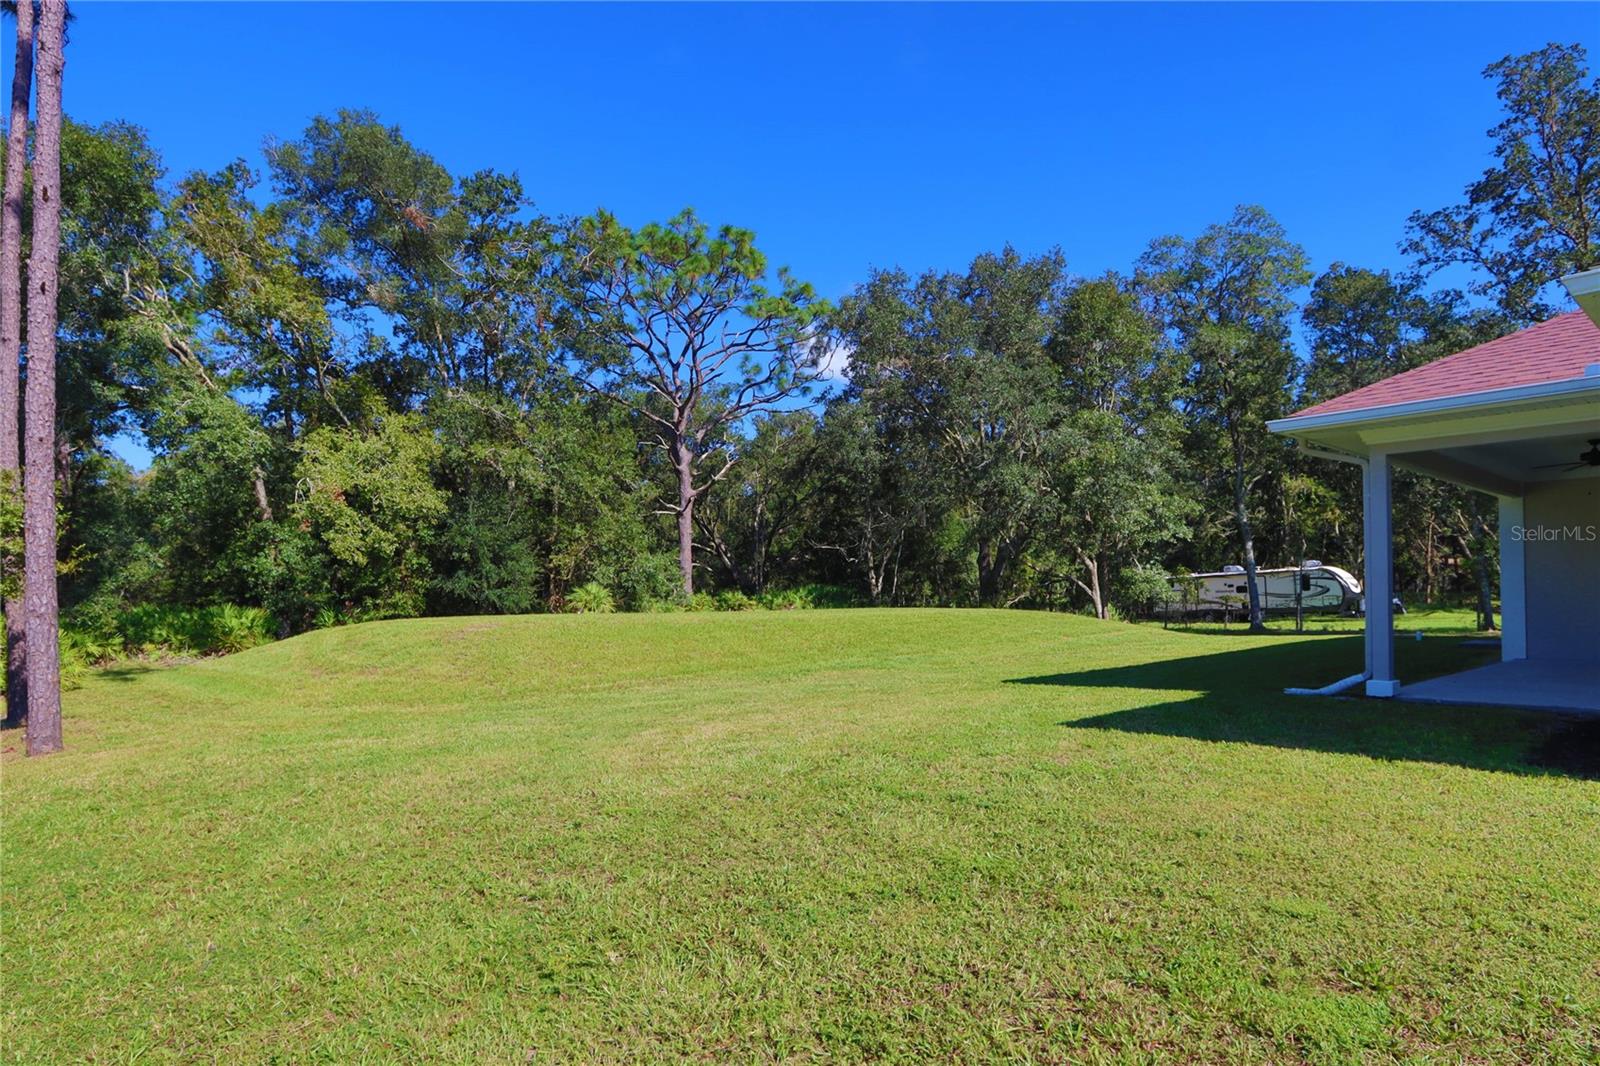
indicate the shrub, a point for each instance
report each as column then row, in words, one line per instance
column 700, row 601
column 93, row 635
column 80, row 652
column 646, row 582
column 74, row 664
column 592, row 598
column 784, row 600
column 834, row 596
column 213, row 630
column 90, row 648
column 152, row 627
column 99, row 615
column 663, row 606
column 734, row 600
column 809, row 597
column 1141, row 590
column 234, row 628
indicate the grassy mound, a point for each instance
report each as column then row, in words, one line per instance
column 901, row 835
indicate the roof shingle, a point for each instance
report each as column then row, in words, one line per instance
column 1555, row 350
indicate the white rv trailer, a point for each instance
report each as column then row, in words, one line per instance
column 1227, row 591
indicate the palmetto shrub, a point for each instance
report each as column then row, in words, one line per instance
column 96, row 636
column 212, row 630
column 234, row 628
column 591, row 598
column 81, row 651
column 734, row 600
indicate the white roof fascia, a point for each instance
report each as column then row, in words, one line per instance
column 1585, row 289
column 1582, row 283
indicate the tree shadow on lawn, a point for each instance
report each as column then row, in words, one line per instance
column 1242, row 701
column 127, row 671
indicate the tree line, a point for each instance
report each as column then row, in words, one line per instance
column 374, row 388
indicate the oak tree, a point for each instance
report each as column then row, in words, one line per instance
column 1225, row 298
column 1534, row 214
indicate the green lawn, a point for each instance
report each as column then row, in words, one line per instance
column 843, row 835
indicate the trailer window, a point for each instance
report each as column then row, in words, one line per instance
column 1305, row 582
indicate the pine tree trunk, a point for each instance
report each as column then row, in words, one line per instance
column 11, row 340
column 39, row 454
column 683, row 462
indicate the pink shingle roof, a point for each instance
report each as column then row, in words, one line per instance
column 1555, row 350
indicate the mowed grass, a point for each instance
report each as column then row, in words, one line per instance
column 832, row 835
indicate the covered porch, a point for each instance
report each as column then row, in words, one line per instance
column 1538, row 684
column 1549, row 521
column 1518, row 418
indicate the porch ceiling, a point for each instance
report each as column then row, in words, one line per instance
column 1531, row 459
column 1497, row 447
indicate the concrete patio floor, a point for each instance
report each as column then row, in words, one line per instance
column 1543, row 684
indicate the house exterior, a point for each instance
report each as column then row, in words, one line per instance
column 1518, row 417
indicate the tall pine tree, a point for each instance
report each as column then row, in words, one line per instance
column 42, row 621
column 11, row 341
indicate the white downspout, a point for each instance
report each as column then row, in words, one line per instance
column 1329, row 690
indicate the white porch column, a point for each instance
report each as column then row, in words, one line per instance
column 1513, row 582
column 1378, row 533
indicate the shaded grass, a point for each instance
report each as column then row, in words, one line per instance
column 806, row 835
column 1428, row 620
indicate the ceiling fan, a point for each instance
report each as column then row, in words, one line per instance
column 1588, row 458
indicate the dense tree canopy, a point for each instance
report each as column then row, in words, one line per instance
column 373, row 387
column 1534, row 215
column 1225, row 298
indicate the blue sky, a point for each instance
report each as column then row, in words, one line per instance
column 850, row 137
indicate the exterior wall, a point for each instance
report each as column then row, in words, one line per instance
column 1561, row 569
